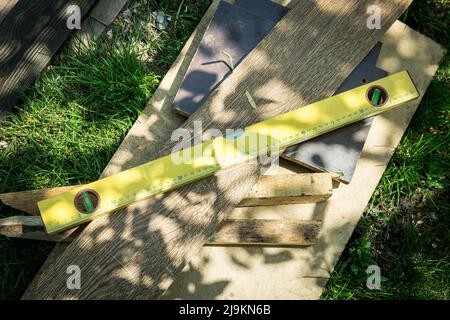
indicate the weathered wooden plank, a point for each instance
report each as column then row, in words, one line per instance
column 26, row 201
column 270, row 190
column 232, row 33
column 29, row 36
column 289, row 189
column 256, row 232
column 31, row 227
column 102, row 15
column 105, row 11
column 142, row 264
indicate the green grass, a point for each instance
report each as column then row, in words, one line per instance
column 74, row 117
column 405, row 230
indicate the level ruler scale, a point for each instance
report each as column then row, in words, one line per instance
column 109, row 194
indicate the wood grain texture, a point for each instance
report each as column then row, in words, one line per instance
column 155, row 238
column 30, row 34
column 289, row 189
column 151, row 130
column 5, row 7
column 105, row 11
column 255, row 232
column 26, row 227
column 269, row 190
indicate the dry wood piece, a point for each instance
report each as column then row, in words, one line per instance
column 30, row 33
column 304, row 59
column 105, row 11
column 289, row 189
column 270, row 190
column 26, row 201
column 267, row 232
column 233, row 232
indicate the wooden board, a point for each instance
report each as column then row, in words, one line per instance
column 105, row 11
column 26, row 201
column 32, row 228
column 261, row 273
column 232, row 33
column 250, row 232
column 102, row 15
column 269, row 190
column 152, row 128
column 270, row 232
column 142, row 264
column 29, row 36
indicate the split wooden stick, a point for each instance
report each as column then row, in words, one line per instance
column 232, row 232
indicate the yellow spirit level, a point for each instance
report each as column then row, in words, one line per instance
column 104, row 196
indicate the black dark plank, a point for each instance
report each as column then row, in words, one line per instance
column 340, row 150
column 263, row 8
column 30, row 35
column 232, row 30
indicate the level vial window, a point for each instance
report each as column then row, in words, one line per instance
column 87, row 201
column 377, row 96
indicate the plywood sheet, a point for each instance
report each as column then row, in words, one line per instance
column 279, row 273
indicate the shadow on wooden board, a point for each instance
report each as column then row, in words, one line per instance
column 138, row 252
column 30, row 34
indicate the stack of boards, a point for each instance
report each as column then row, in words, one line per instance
column 233, row 32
